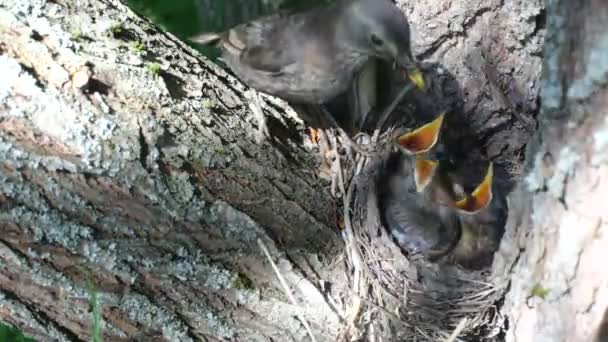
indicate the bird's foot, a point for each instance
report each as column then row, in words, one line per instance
column 331, row 163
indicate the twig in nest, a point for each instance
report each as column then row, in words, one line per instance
column 352, row 251
column 351, row 144
column 338, row 169
column 459, row 328
column 290, row 296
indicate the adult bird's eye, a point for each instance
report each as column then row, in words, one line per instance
column 376, row 40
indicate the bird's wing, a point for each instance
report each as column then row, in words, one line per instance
column 269, row 60
column 276, row 42
column 415, row 228
column 267, row 44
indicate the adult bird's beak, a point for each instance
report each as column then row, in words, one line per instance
column 417, row 78
column 412, row 70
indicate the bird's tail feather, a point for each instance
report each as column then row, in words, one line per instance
column 205, row 38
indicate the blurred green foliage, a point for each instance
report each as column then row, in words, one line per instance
column 186, row 18
column 10, row 334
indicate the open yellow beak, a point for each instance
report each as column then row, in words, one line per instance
column 423, row 138
column 480, row 197
column 424, row 172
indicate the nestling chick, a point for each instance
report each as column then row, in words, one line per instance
column 420, row 204
column 417, row 222
column 481, row 228
column 409, row 208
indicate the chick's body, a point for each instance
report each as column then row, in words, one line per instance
column 418, row 222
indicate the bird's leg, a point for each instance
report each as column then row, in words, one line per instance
column 258, row 113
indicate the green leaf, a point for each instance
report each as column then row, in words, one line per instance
column 539, row 291
column 12, row 334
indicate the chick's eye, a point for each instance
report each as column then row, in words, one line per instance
column 376, row 40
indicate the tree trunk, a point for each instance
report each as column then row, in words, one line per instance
column 127, row 160
column 558, row 233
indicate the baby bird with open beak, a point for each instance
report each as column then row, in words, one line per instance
column 421, row 205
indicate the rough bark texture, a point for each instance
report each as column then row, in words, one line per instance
column 486, row 61
column 126, row 159
column 558, row 236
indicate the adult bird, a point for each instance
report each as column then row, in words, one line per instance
column 309, row 58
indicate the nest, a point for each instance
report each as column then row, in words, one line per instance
column 411, row 298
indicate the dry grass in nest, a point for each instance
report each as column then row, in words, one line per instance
column 401, row 299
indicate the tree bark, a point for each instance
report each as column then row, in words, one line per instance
column 557, row 235
column 128, row 160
